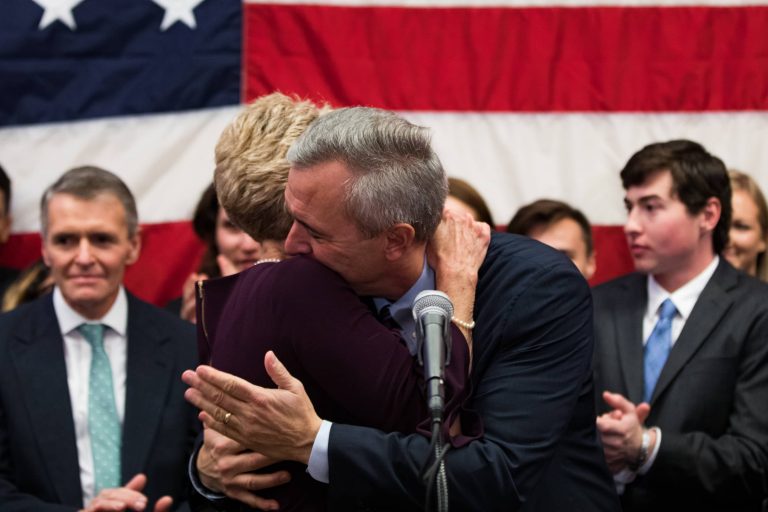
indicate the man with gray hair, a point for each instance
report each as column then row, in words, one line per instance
column 366, row 192
column 92, row 415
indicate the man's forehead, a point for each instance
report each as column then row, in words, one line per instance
column 658, row 184
column 324, row 183
column 66, row 211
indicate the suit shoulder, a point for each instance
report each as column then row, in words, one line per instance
column 522, row 255
column 619, row 284
column 23, row 317
column 160, row 318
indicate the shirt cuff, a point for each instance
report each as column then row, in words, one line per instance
column 652, row 457
column 317, row 467
column 194, row 477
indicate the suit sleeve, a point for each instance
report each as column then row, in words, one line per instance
column 374, row 381
column 11, row 498
column 537, row 348
column 731, row 467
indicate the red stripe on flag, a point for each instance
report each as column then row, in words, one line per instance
column 511, row 59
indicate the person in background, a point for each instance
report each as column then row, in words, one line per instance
column 92, row 412
column 462, row 197
column 33, row 282
column 228, row 250
column 748, row 236
column 561, row 226
column 681, row 359
column 7, row 275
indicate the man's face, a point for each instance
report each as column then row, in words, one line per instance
column 87, row 248
column 664, row 238
column 565, row 235
column 322, row 229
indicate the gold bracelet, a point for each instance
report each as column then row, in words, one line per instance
column 461, row 323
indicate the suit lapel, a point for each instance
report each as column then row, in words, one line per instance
column 628, row 330
column 712, row 304
column 148, row 377
column 38, row 356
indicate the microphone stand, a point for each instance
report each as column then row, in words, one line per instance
column 432, row 312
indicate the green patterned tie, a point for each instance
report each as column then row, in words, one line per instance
column 103, row 423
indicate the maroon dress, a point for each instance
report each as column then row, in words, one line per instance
column 354, row 369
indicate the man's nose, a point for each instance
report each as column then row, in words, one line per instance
column 297, row 241
column 632, row 225
column 84, row 254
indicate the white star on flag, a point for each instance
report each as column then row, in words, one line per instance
column 57, row 10
column 178, row 10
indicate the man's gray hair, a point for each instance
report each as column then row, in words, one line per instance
column 397, row 177
column 86, row 183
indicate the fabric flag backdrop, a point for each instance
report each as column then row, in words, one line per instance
column 526, row 98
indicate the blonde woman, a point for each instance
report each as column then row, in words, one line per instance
column 748, row 236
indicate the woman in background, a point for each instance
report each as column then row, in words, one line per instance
column 748, row 237
column 228, row 250
column 463, row 197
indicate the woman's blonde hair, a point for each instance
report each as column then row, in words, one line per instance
column 251, row 169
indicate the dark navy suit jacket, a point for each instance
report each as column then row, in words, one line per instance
column 533, row 390
column 39, row 470
column 711, row 399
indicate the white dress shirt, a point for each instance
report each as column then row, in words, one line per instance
column 77, row 355
column 684, row 299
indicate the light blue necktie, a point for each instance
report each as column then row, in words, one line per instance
column 103, row 423
column 657, row 348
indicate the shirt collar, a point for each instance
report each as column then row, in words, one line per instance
column 401, row 308
column 69, row 319
column 685, row 297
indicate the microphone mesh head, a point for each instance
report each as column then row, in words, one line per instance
column 432, row 300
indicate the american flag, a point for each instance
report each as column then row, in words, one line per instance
column 526, row 98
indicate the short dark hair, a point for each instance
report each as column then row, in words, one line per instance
column 546, row 212
column 5, row 188
column 204, row 224
column 697, row 176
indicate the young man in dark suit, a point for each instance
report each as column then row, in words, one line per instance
column 681, row 345
column 366, row 192
column 92, row 414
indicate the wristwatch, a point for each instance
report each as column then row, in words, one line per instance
column 642, row 455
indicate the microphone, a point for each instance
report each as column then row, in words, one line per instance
column 432, row 311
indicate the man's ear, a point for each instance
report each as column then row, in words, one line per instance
column 399, row 238
column 135, row 247
column 591, row 267
column 710, row 215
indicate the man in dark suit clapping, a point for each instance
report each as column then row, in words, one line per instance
column 682, row 346
column 92, row 414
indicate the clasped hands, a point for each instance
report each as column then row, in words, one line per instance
column 128, row 497
column 263, row 426
column 621, row 431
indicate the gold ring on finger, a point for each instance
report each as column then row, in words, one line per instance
column 226, row 418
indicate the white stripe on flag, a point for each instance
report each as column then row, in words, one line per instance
column 166, row 160
column 513, row 159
